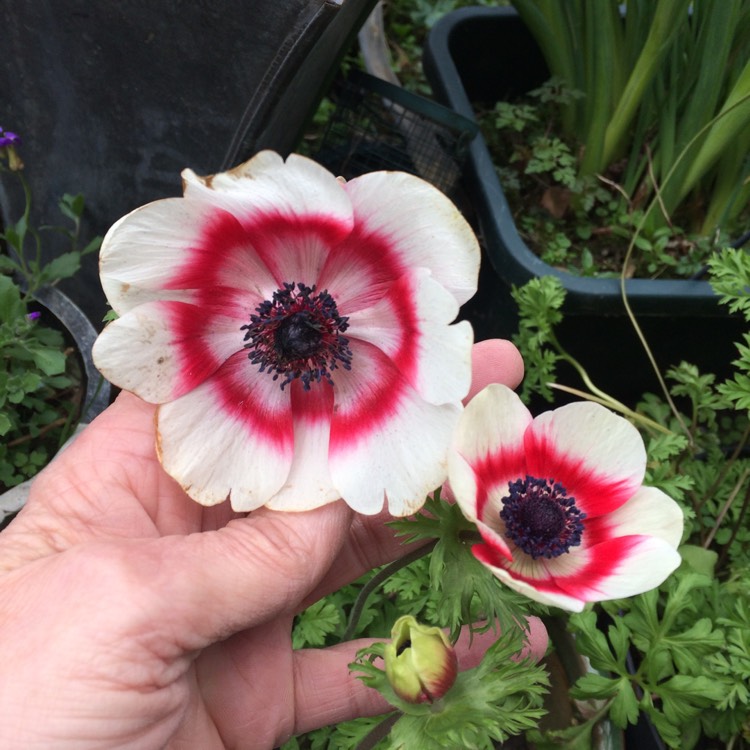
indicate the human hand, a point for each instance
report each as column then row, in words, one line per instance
column 123, row 628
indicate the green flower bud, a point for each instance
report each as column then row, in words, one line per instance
column 420, row 662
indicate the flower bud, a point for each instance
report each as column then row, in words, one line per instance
column 8, row 143
column 420, row 662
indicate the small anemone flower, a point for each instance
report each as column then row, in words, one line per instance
column 559, row 502
column 297, row 332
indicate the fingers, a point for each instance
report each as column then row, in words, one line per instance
column 369, row 544
column 495, row 361
column 326, row 692
column 214, row 584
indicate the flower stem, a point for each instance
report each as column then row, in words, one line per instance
column 616, row 406
column 724, row 470
column 725, row 508
column 380, row 577
column 379, row 731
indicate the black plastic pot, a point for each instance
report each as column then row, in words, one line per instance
column 484, row 55
column 113, row 100
column 80, row 334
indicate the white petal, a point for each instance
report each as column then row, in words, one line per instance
column 487, row 451
column 230, row 436
column 309, row 483
column 553, row 598
column 598, row 456
column 266, row 185
column 161, row 350
column 386, row 441
column 422, row 227
column 651, row 512
column 410, row 325
column 615, row 569
column 463, row 484
column 171, row 245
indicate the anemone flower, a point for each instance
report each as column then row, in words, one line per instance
column 295, row 330
column 559, row 503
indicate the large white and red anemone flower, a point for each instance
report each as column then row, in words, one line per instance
column 558, row 500
column 297, row 333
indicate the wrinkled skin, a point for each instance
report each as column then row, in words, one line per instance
column 123, row 628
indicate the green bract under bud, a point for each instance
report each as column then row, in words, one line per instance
column 420, row 662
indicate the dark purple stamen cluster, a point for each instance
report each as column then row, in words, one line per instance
column 298, row 334
column 541, row 518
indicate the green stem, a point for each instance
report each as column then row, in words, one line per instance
column 727, row 465
column 547, row 20
column 639, row 331
column 671, row 15
column 380, row 577
column 615, row 406
column 599, row 396
column 729, row 124
column 735, row 529
column 725, row 508
column 379, row 731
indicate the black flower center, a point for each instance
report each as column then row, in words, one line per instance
column 298, row 334
column 297, row 337
column 541, row 518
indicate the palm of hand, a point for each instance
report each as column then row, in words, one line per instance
column 129, row 630
column 94, row 539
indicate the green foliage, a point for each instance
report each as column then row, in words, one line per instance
column 660, row 94
column 627, row 141
column 661, row 656
column 39, row 398
column 499, row 698
column 315, row 624
column 27, row 265
column 577, row 222
column 345, row 736
column 552, row 156
column 730, row 279
column 681, row 653
column 539, row 304
column 446, row 586
column 36, row 389
column 463, row 593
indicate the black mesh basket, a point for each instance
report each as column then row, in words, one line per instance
column 378, row 125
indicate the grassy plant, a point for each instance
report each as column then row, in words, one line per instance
column 577, row 222
column 655, row 83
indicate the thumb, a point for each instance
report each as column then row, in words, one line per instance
column 217, row 583
column 494, row 361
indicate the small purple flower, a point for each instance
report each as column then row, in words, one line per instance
column 7, row 138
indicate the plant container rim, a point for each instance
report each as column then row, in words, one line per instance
column 83, row 333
